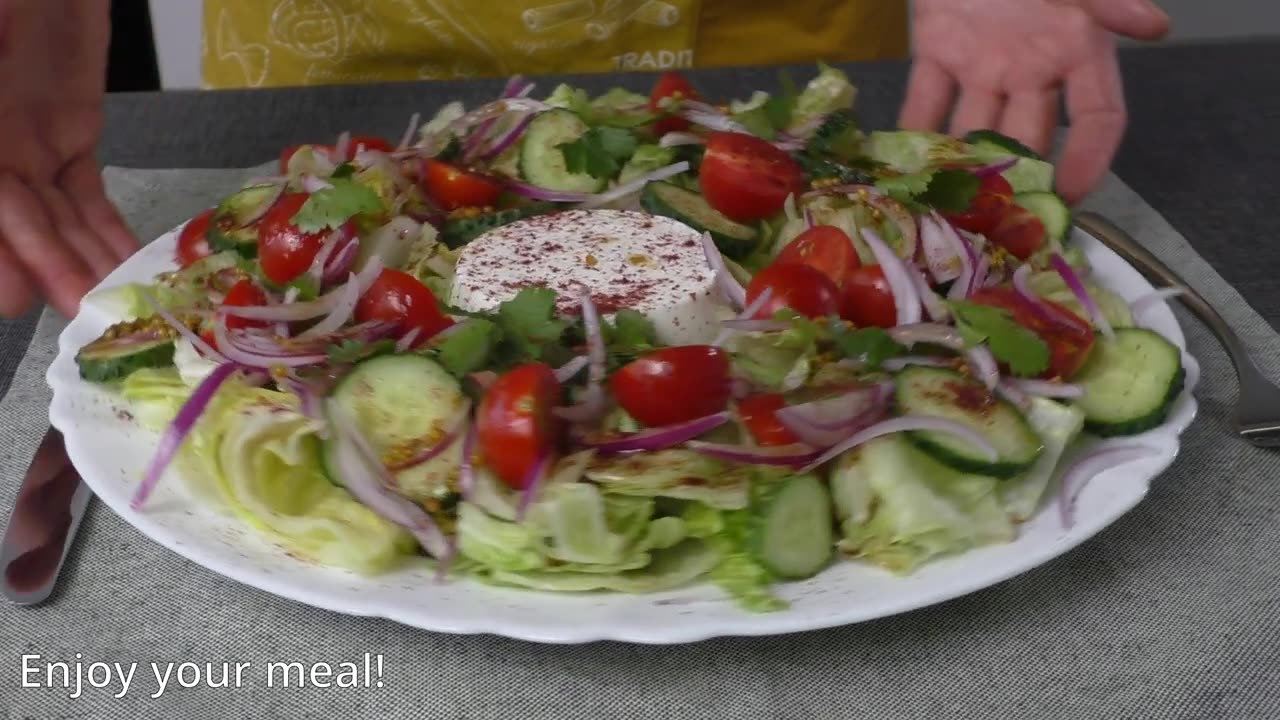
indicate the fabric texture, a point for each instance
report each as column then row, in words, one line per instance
column 274, row 43
column 1169, row 614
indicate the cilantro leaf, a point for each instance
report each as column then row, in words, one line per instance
column 945, row 190
column 351, row 351
column 328, row 209
column 469, row 348
column 1022, row 350
column 307, row 285
column 345, row 170
column 529, row 324
column 630, row 335
column 870, row 346
column 600, row 152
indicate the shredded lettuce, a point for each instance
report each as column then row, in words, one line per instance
column 1050, row 285
column 1058, row 425
column 669, row 568
column 829, row 91
column 675, row 473
column 155, row 395
column 444, row 116
column 778, row 360
column 919, row 509
column 124, row 302
column 646, row 159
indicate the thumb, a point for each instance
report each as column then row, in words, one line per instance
column 1137, row 19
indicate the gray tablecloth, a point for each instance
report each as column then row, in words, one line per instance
column 1171, row 613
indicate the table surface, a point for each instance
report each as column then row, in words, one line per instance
column 1198, row 150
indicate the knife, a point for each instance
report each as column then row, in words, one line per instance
column 43, row 524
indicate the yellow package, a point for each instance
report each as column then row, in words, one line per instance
column 259, row 43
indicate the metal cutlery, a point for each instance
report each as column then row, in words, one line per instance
column 1258, row 409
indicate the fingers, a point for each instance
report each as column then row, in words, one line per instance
column 978, row 109
column 68, row 226
column 42, row 255
column 1030, row 117
column 83, row 184
column 16, row 293
column 1137, row 19
column 929, row 94
column 1096, row 111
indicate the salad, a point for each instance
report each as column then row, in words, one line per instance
column 626, row 343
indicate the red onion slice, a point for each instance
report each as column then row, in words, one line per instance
column 729, row 286
column 196, row 341
column 747, row 313
column 995, row 168
column 176, row 433
column 533, row 483
column 826, row 422
column 341, row 262
column 235, row 352
column 1041, row 307
column 407, row 137
column 591, row 406
column 934, row 307
column 677, row 138
column 313, row 184
column 1091, row 465
column 406, row 341
column 1013, row 394
column 984, row 365
column 365, row 477
column 658, row 438
column 902, row 218
column 931, row 333
column 533, row 192
column 964, row 284
column 908, row 423
column 567, row 371
column 342, row 148
column 636, row 185
column 708, row 116
column 341, row 313
column 905, row 298
column 1057, row 262
column 782, row 455
column 509, row 138
column 941, row 255
column 316, row 270
column 453, row 428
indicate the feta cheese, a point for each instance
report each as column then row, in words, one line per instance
column 648, row 263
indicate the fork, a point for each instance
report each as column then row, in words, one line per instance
column 1258, row 409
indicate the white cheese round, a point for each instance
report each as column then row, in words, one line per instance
column 648, row 263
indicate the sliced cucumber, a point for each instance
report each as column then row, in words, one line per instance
column 541, row 159
column 1051, row 209
column 462, row 230
column 1130, row 383
column 1001, row 142
column 125, row 347
column 402, row 403
column 792, row 531
column 233, row 226
column 948, row 394
column 734, row 239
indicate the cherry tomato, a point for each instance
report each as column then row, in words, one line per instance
column 984, row 213
column 759, row 414
column 674, row 384
column 284, row 251
column 746, row 178
column 244, row 293
column 795, row 286
column 867, row 300
column 193, row 242
column 514, row 423
column 454, row 188
column 671, row 84
column 398, row 297
column 1020, row 232
column 1069, row 337
column 367, row 142
column 824, row 248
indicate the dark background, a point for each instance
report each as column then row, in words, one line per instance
column 132, row 64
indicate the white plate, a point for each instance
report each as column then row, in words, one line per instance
column 111, row 456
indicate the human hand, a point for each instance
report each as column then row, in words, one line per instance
column 1010, row 60
column 59, row 234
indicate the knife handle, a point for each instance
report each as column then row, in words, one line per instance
column 45, row 517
